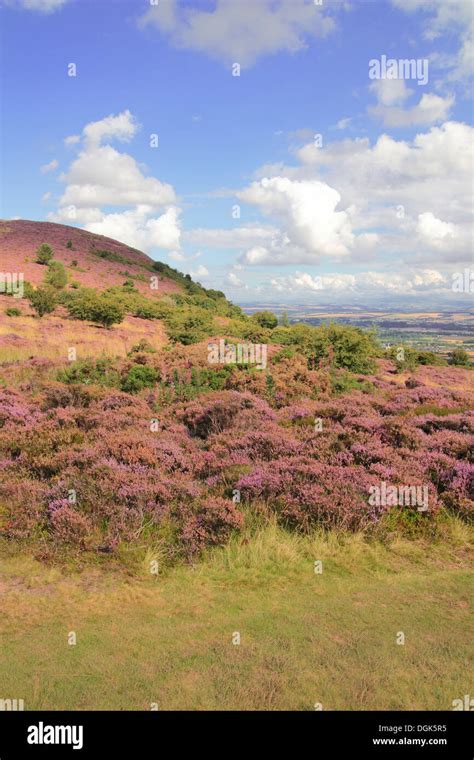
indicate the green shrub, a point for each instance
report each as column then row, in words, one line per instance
column 56, row 275
column 13, row 312
column 88, row 372
column 265, row 319
column 43, row 301
column 69, row 244
column 459, row 358
column 44, row 254
column 138, row 377
column 86, row 304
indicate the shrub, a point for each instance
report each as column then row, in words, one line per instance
column 459, row 358
column 43, row 301
column 56, row 275
column 265, row 319
column 88, row 371
column 13, row 312
column 44, row 254
column 91, row 306
column 69, row 244
column 138, row 377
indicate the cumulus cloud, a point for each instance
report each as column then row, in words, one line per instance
column 231, row 32
column 137, row 229
column 408, row 201
column 392, row 94
column 101, row 176
column 306, row 210
column 389, row 184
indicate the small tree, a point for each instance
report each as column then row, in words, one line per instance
column 44, row 254
column 56, row 275
column 106, row 313
column 459, row 357
column 43, row 301
column 265, row 319
column 69, row 244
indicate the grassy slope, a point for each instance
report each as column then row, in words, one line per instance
column 305, row 637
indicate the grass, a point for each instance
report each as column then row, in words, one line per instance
column 51, row 337
column 305, row 637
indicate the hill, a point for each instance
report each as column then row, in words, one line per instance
column 100, row 262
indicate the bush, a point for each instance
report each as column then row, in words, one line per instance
column 139, row 377
column 90, row 372
column 69, row 244
column 88, row 305
column 13, row 312
column 44, row 254
column 265, row 319
column 459, row 358
column 56, row 275
column 43, row 301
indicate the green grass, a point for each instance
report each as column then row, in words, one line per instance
column 305, row 637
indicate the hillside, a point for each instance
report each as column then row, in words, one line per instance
column 91, row 262
column 20, row 239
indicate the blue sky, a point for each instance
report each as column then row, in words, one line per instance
column 349, row 189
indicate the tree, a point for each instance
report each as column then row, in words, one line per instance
column 69, row 244
column 44, row 254
column 459, row 358
column 265, row 319
column 56, row 275
column 88, row 305
column 43, row 301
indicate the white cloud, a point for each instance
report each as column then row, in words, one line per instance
column 49, row 167
column 201, row 272
column 310, row 225
column 233, row 281
column 392, row 93
column 72, row 140
column 448, row 17
column 403, row 201
column 436, row 232
column 138, row 230
column 121, row 127
column 412, row 282
column 232, row 32
column 101, row 176
column 392, row 182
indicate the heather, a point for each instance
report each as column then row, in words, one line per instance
column 161, row 449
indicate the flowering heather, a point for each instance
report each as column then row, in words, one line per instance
column 143, row 466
